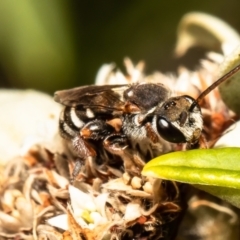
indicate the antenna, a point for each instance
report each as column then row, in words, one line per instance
column 214, row 85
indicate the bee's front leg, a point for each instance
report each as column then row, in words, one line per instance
column 117, row 144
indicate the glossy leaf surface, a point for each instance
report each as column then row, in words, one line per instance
column 216, row 171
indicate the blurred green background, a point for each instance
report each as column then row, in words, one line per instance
column 57, row 44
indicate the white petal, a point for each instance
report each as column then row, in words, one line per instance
column 103, row 73
column 97, row 218
column 229, row 138
column 81, row 200
column 133, row 211
column 118, row 78
column 60, row 221
column 100, row 202
column 91, row 226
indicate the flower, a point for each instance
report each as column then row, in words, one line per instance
column 88, row 210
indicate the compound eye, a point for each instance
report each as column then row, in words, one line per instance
column 169, row 132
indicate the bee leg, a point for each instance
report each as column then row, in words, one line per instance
column 96, row 130
column 88, row 169
column 201, row 143
column 82, row 148
column 117, row 145
column 76, row 170
column 85, row 153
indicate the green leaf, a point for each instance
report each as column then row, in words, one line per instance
column 216, row 171
column 229, row 89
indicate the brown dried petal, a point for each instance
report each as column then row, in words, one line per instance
column 78, row 233
column 25, row 210
column 119, row 185
column 9, row 223
column 8, row 199
column 60, row 193
column 46, row 232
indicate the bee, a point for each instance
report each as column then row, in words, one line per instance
column 124, row 126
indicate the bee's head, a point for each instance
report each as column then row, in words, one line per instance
column 179, row 120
